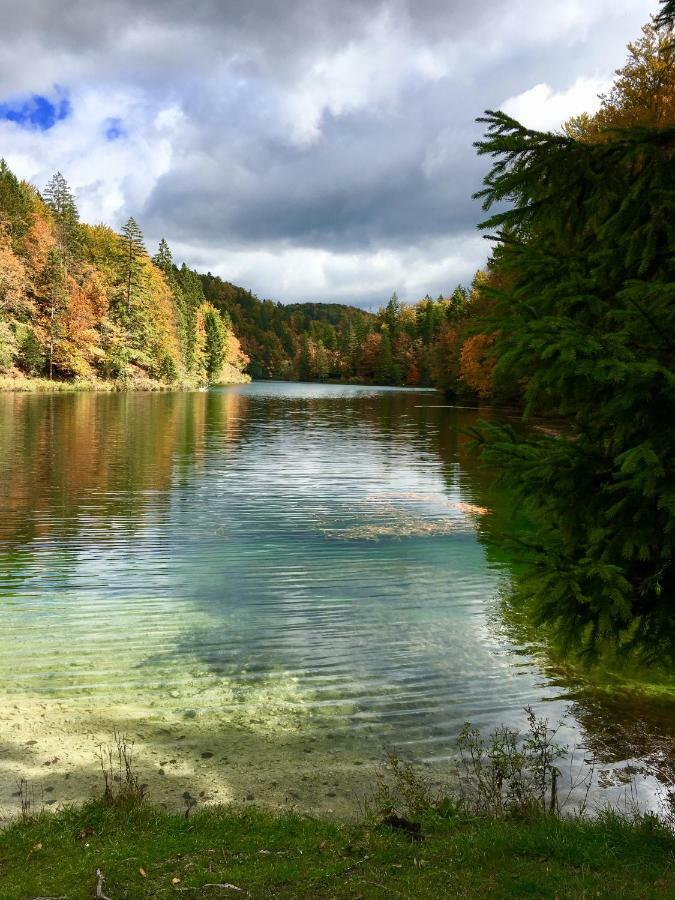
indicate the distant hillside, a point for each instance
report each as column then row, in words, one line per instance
column 310, row 340
column 431, row 342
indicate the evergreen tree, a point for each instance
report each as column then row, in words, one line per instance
column 392, row 313
column 305, row 360
column 388, row 371
column 585, row 320
column 666, row 15
column 163, row 259
column 15, row 202
column 191, row 297
column 216, row 342
column 60, row 199
column 132, row 253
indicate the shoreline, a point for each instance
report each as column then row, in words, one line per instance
column 27, row 385
column 55, row 748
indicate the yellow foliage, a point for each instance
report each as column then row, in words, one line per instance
column 643, row 92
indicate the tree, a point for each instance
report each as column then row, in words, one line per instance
column 476, row 364
column 16, row 203
column 666, row 15
column 392, row 313
column 77, row 300
column 216, row 341
column 189, row 296
column 585, row 320
column 55, row 282
column 59, row 198
column 387, row 370
column 133, row 251
column 163, row 259
column 13, row 278
column 642, row 94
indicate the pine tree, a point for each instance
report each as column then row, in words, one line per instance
column 15, row 202
column 60, row 199
column 392, row 313
column 215, row 342
column 666, row 15
column 585, row 321
column 189, row 297
column 133, row 251
column 163, row 259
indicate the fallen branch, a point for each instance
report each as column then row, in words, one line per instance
column 100, row 878
column 225, row 886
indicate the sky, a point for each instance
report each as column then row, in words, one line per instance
column 310, row 150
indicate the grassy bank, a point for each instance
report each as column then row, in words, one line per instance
column 144, row 851
column 25, row 384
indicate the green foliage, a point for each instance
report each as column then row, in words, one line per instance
column 131, row 266
column 60, row 199
column 8, row 347
column 31, row 354
column 215, row 343
column 163, row 259
column 505, row 773
column 16, row 204
column 586, row 324
column 402, row 344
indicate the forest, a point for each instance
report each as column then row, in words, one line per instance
column 81, row 302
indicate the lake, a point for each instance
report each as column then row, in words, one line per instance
column 265, row 586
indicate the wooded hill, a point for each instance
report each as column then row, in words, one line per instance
column 83, row 302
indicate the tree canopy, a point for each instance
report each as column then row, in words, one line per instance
column 584, row 321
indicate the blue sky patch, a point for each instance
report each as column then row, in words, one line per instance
column 36, row 112
column 114, row 129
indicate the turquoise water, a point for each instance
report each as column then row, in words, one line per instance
column 273, row 560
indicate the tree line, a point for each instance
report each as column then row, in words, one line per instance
column 428, row 343
column 84, row 302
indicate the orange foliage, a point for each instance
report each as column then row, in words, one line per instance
column 370, row 355
column 477, row 362
column 37, row 243
column 234, row 355
column 413, row 376
column 74, row 351
column 13, row 279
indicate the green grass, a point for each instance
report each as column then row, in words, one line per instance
column 270, row 855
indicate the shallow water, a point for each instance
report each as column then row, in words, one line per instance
column 264, row 586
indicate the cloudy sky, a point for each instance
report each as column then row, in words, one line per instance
column 307, row 149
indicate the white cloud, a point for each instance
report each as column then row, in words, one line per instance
column 545, row 109
column 110, row 178
column 308, row 274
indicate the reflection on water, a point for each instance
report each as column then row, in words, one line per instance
column 290, row 563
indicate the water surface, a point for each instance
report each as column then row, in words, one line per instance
column 264, row 586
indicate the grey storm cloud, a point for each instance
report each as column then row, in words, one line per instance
column 333, row 136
